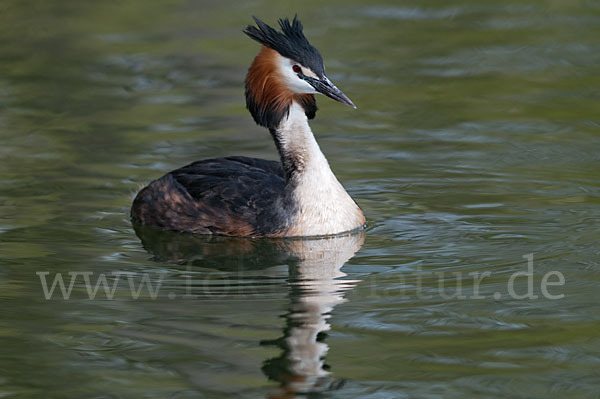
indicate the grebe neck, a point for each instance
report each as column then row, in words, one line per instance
column 297, row 146
column 323, row 205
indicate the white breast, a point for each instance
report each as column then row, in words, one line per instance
column 324, row 206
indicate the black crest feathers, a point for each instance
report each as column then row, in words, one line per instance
column 290, row 43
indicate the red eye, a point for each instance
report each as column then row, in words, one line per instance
column 297, row 69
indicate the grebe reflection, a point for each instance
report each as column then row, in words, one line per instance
column 316, row 285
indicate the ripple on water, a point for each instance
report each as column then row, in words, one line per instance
column 410, row 13
column 512, row 59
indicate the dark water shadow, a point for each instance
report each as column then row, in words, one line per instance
column 316, row 285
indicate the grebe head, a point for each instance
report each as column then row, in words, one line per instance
column 288, row 68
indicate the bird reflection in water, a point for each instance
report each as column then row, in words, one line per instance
column 316, row 286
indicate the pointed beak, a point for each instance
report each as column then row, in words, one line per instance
column 325, row 86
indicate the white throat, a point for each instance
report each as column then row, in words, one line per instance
column 324, row 206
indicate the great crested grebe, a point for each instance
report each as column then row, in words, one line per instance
column 240, row 196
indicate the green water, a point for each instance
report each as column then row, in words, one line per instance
column 475, row 147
